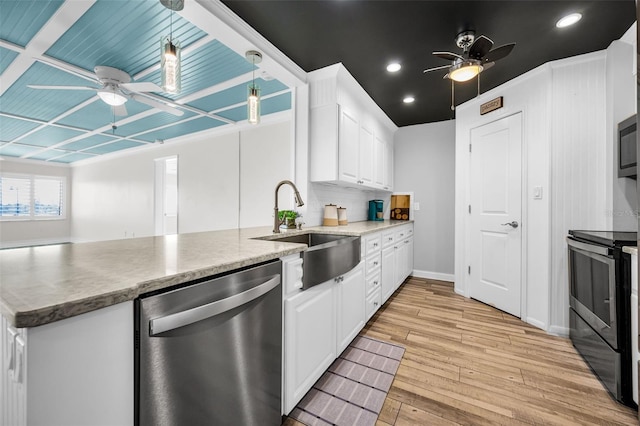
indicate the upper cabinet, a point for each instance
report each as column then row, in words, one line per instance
column 351, row 138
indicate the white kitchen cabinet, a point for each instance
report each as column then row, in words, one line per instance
column 350, row 303
column 309, row 340
column 387, row 175
column 634, row 326
column 388, row 281
column 76, row 371
column 345, row 127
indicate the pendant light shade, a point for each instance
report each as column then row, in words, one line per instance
column 253, row 99
column 170, row 65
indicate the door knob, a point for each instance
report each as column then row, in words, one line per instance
column 513, row 224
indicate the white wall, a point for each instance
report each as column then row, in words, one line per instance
column 35, row 232
column 425, row 164
column 114, row 198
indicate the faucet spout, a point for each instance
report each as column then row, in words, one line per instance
column 299, row 202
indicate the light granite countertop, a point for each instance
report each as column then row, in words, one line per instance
column 40, row 285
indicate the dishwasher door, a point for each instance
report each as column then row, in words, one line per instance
column 211, row 353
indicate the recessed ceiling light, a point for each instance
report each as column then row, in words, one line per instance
column 394, row 67
column 568, row 20
column 408, row 99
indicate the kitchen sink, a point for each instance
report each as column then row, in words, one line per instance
column 328, row 255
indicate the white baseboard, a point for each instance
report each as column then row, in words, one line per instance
column 536, row 323
column 433, row 275
column 30, row 243
column 459, row 291
column 556, row 330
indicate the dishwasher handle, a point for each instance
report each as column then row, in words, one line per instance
column 190, row 316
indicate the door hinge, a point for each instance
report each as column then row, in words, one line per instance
column 469, row 269
column 469, row 147
column 469, row 208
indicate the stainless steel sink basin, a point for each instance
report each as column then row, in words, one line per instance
column 328, row 255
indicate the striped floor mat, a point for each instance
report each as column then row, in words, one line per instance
column 352, row 391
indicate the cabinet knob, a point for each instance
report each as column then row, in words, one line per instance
column 390, row 238
column 375, row 263
column 375, row 244
column 375, row 283
column 406, row 241
column 375, row 303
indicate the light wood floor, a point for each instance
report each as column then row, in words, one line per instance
column 468, row 363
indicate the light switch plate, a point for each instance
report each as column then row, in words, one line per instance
column 416, row 206
column 537, row 193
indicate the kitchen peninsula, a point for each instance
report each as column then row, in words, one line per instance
column 67, row 312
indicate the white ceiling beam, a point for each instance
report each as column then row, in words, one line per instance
column 241, row 79
column 66, row 15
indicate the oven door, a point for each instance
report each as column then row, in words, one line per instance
column 592, row 284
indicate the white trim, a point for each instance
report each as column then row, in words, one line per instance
column 557, row 330
column 439, row 276
column 460, row 292
column 31, row 243
column 536, row 323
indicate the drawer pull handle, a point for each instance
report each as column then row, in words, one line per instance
column 375, row 263
column 375, row 303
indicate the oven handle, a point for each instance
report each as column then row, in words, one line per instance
column 190, row 316
column 591, row 248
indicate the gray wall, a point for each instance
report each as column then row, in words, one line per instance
column 425, row 164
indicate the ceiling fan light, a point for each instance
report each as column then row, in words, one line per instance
column 111, row 97
column 170, row 65
column 465, row 72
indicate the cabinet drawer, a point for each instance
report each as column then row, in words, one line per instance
column 388, row 238
column 372, row 264
column 373, row 303
column 373, row 282
column 372, row 244
column 403, row 233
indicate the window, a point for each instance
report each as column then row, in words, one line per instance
column 32, row 197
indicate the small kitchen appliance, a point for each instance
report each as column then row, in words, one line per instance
column 376, row 210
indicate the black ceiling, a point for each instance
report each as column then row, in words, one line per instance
column 367, row 34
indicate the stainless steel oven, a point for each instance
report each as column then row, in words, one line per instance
column 600, row 314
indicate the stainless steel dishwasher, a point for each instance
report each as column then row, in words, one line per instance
column 210, row 352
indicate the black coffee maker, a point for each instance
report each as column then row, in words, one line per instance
column 376, row 210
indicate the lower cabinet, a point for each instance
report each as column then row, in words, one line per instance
column 320, row 322
column 388, row 272
column 350, row 292
column 310, row 340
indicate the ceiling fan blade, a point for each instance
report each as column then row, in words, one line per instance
column 498, row 52
column 480, row 47
column 120, row 110
column 141, row 86
column 436, row 68
column 449, row 56
column 36, row 86
column 156, row 104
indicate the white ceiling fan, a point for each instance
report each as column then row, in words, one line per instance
column 117, row 88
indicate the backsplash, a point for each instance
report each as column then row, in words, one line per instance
column 355, row 200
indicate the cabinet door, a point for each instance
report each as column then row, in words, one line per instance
column 366, row 168
column 380, row 153
column 350, row 300
column 409, row 259
column 388, row 272
column 400, row 263
column 388, row 167
column 310, row 340
column 348, row 147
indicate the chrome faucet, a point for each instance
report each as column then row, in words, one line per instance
column 276, row 220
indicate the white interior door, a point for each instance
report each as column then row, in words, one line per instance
column 496, row 207
column 166, row 196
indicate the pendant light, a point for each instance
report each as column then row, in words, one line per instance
column 253, row 99
column 170, row 53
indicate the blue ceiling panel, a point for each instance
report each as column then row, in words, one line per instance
column 122, row 34
column 50, row 136
column 115, row 146
column 44, row 104
column 47, row 155
column 6, row 57
column 21, row 20
column 235, row 95
column 206, row 66
column 11, row 128
column 70, row 158
column 99, row 114
column 182, row 129
column 86, row 143
column 18, row 150
column 148, row 123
